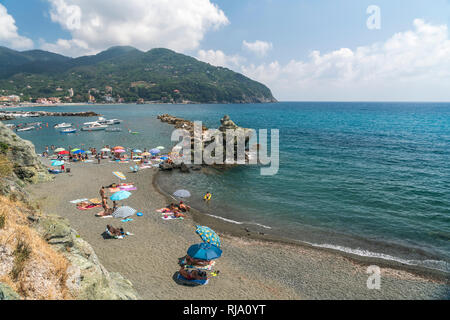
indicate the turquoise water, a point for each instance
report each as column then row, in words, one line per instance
column 367, row 178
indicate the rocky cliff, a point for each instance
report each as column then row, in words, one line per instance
column 41, row 256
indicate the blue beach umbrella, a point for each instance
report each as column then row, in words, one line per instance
column 182, row 194
column 137, row 151
column 120, row 195
column 57, row 163
column 208, row 235
column 164, row 158
column 155, row 151
column 204, row 251
column 79, row 151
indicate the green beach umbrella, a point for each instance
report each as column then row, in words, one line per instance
column 73, row 150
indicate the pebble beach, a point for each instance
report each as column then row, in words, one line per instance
column 252, row 266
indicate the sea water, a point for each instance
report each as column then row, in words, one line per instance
column 371, row 179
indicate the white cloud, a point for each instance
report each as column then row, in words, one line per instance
column 258, row 47
column 219, row 58
column 96, row 25
column 411, row 65
column 9, row 35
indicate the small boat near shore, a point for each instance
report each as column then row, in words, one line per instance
column 25, row 129
column 62, row 125
column 94, row 127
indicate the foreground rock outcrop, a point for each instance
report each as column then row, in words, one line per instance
column 19, row 164
column 87, row 279
column 41, row 256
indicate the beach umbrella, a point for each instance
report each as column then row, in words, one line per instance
column 208, row 235
column 105, row 150
column 155, row 151
column 137, row 151
column 124, row 212
column 120, row 195
column 119, row 151
column 78, row 151
column 118, row 147
column 204, row 251
column 164, row 158
column 63, row 152
column 73, row 150
column 160, row 148
column 146, row 154
column 59, row 150
column 57, row 163
column 182, row 194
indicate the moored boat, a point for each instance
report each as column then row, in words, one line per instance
column 62, row 125
column 25, row 129
column 69, row 130
column 94, row 127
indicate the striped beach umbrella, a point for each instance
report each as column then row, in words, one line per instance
column 119, row 175
column 208, row 235
column 73, row 150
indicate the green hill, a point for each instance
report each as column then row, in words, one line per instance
column 159, row 75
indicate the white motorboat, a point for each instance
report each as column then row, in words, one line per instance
column 62, row 125
column 114, row 121
column 100, row 120
column 94, row 127
column 25, row 129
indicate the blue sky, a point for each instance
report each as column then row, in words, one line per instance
column 288, row 31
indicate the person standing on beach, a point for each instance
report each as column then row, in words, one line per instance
column 98, row 158
column 103, row 195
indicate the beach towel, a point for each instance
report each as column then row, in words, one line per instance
column 164, row 210
column 128, row 188
column 95, row 201
column 171, row 218
column 208, row 267
column 78, row 200
column 88, row 207
column 114, row 190
column 185, row 281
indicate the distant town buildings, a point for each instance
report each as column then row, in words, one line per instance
column 12, row 98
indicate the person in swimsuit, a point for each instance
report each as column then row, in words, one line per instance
column 193, row 274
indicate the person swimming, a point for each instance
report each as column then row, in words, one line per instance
column 207, row 196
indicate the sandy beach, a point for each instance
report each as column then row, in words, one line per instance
column 250, row 268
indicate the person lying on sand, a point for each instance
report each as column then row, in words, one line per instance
column 196, row 262
column 193, row 274
column 107, row 211
column 114, row 232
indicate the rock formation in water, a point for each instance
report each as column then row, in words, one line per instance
column 205, row 140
